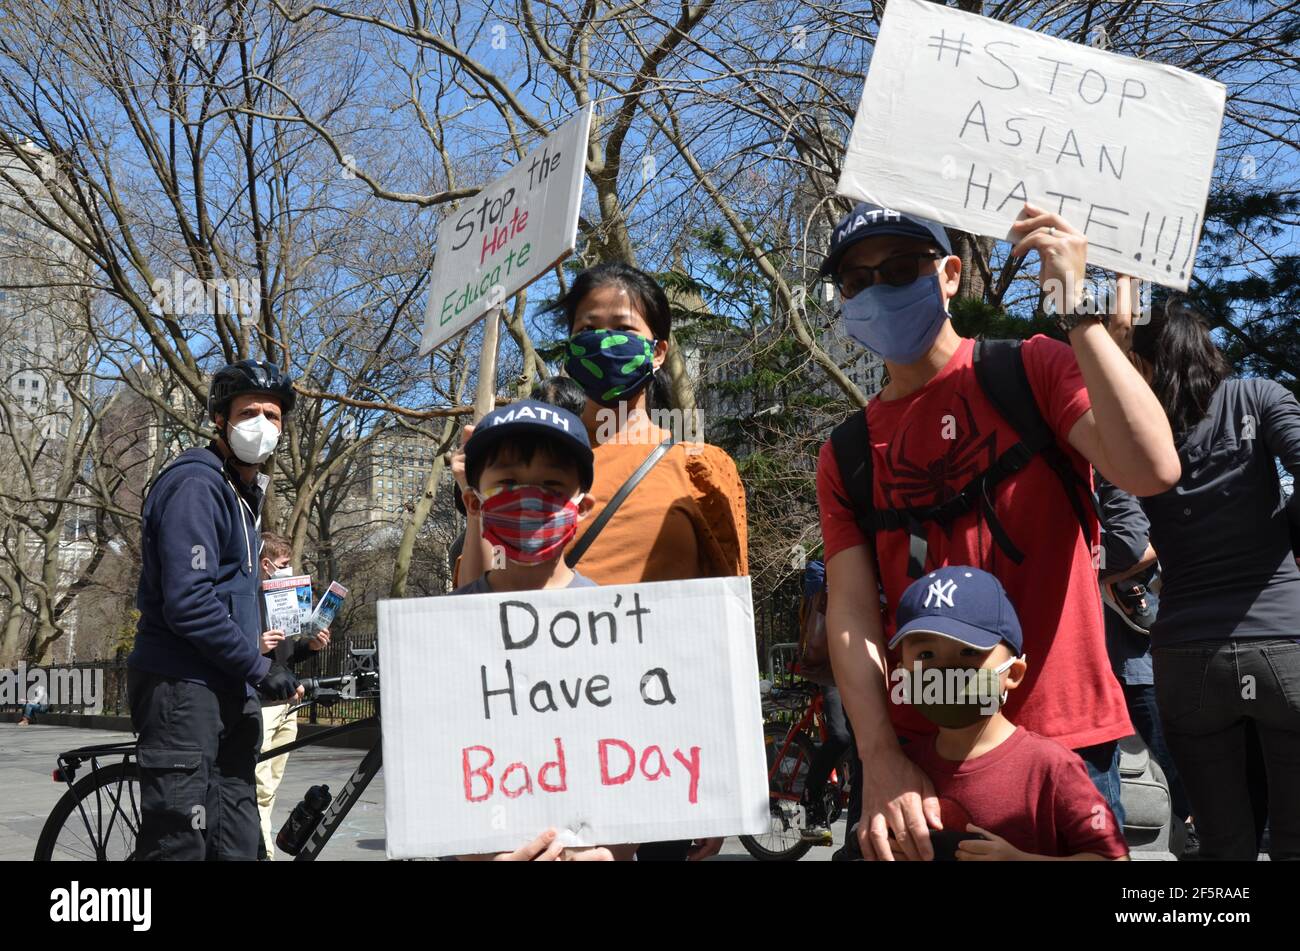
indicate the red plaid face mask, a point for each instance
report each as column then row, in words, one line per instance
column 529, row 523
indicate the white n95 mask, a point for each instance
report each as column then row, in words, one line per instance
column 253, row 440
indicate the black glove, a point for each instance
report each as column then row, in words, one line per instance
column 278, row 684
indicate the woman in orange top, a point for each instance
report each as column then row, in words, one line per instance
column 686, row 518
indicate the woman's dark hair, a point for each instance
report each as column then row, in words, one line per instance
column 643, row 289
column 1186, row 365
column 561, row 391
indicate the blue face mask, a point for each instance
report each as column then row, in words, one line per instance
column 898, row 323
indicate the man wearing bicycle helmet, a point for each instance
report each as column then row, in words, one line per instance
column 197, row 666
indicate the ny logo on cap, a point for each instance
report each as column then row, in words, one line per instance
column 941, row 592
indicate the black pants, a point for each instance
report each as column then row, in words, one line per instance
column 1211, row 695
column 838, row 741
column 197, row 755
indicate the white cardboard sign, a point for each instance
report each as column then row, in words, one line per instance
column 964, row 118
column 616, row 714
column 509, row 234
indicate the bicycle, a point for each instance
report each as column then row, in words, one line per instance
column 790, row 751
column 107, row 801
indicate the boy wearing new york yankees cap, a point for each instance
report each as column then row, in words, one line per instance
column 1005, row 793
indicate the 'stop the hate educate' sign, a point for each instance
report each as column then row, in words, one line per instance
column 964, row 119
column 514, row 230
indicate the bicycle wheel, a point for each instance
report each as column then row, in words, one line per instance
column 96, row 820
column 782, row 842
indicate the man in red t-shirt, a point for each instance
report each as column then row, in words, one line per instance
column 932, row 429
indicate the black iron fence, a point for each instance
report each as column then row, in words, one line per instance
column 94, row 686
column 334, row 661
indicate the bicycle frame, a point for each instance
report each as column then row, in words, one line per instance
column 811, row 716
column 341, row 804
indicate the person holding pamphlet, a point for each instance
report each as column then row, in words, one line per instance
column 528, row 469
column 279, row 724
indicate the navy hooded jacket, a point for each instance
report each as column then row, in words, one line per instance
column 199, row 617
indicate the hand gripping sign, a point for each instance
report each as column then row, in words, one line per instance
column 615, row 714
column 964, row 119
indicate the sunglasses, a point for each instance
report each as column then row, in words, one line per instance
column 897, row 271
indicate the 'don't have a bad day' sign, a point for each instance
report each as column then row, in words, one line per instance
column 964, row 119
column 615, row 714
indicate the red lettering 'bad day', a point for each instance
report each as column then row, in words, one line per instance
column 516, row 780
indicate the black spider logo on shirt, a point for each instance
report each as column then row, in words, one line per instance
column 908, row 484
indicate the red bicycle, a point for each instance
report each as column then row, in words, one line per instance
column 792, row 718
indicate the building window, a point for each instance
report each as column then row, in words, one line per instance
column 22, row 383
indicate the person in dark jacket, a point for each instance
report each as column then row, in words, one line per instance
column 1225, row 643
column 196, row 670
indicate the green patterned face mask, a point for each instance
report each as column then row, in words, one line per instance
column 610, row 365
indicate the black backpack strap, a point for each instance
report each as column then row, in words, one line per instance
column 851, row 444
column 852, row 449
column 1000, row 371
column 589, row 536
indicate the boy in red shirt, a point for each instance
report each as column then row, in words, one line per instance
column 1005, row 793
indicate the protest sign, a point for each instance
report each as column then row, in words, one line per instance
column 963, row 119
column 515, row 229
column 288, row 603
column 615, row 714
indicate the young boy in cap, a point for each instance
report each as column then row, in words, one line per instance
column 528, row 467
column 1005, row 793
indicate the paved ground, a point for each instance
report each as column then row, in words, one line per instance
column 27, row 793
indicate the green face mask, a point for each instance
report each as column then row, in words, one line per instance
column 955, row 697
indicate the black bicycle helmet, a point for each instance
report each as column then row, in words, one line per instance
column 249, row 376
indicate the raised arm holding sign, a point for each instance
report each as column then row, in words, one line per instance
column 934, row 472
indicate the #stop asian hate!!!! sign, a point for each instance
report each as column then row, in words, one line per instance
column 514, row 230
column 616, row 714
column 963, row 119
